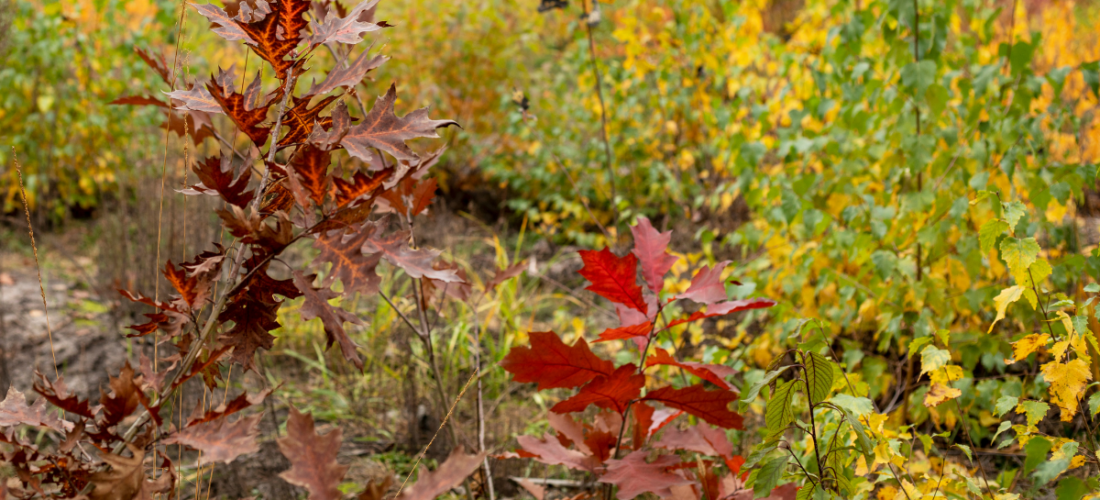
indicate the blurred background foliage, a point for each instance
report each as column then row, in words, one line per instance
column 830, row 147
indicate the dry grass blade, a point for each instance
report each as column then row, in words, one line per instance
column 37, row 265
column 420, row 456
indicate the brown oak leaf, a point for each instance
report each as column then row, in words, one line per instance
column 333, row 317
column 382, row 129
column 312, row 457
column 220, row 440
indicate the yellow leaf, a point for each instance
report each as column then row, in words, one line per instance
column 1006, row 297
column 1077, row 461
column 949, row 373
column 939, row 394
column 1027, row 345
column 1066, row 380
column 861, row 466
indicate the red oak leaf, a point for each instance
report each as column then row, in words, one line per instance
column 626, row 332
column 382, row 129
column 643, row 420
column 550, row 451
column 312, row 457
column 612, row 392
column 699, row 438
column 614, row 278
column 634, row 476
column 711, row 406
column 570, row 429
column 714, row 374
column 553, row 364
column 651, row 247
column 707, row 286
column 724, row 308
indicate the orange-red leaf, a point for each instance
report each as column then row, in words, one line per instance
column 711, row 406
column 300, row 119
column 275, row 35
column 614, row 278
column 242, row 111
column 310, row 164
column 354, row 269
column 216, row 177
column 553, row 364
column 714, row 374
column 613, row 392
column 312, row 457
column 626, row 332
column 724, row 308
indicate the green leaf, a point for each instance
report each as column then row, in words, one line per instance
column 1091, row 73
column 1020, row 57
column 1019, row 254
column 806, row 492
column 990, row 231
column 945, row 337
column 856, row 405
column 937, row 98
column 754, row 391
column 885, row 262
column 1013, row 212
column 933, row 358
column 919, row 75
column 1071, row 488
column 966, row 449
column 864, row 442
column 1047, row 471
column 1035, row 410
column 1004, row 404
column 1036, row 450
column 779, row 412
column 1094, row 403
column 917, row 344
column 766, row 478
column 1006, row 425
column 820, row 376
column 1092, row 287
